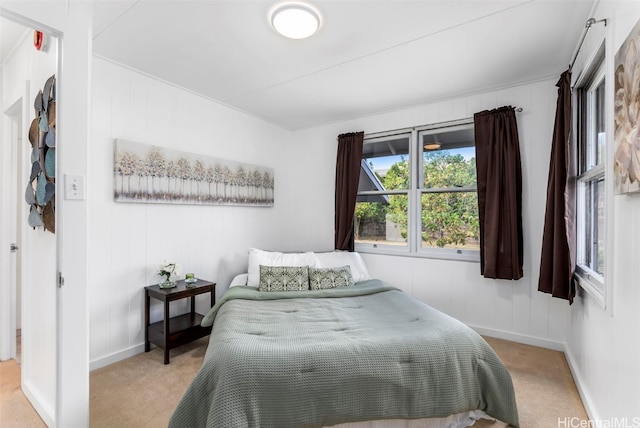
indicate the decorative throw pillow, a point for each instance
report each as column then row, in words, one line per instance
column 284, row 278
column 321, row 278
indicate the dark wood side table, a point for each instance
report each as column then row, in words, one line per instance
column 172, row 332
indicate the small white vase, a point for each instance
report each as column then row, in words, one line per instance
column 167, row 283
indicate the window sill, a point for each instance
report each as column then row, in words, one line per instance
column 452, row 255
column 589, row 282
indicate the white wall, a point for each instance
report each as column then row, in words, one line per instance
column 510, row 309
column 38, row 247
column 129, row 241
column 604, row 345
column 135, row 238
column 212, row 241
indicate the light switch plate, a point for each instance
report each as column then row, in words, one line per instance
column 74, row 187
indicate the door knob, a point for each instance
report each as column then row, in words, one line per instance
column 14, row 247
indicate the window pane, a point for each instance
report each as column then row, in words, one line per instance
column 449, row 158
column 381, row 219
column 385, row 164
column 598, row 212
column 599, row 125
column 450, row 220
column 450, row 168
column 592, row 144
column 595, row 225
column 601, row 228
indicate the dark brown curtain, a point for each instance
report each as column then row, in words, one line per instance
column 499, row 193
column 347, row 177
column 557, row 262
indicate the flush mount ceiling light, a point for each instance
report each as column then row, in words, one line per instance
column 295, row 20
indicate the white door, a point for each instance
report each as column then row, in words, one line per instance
column 33, row 265
column 12, row 141
column 8, row 324
column 15, row 224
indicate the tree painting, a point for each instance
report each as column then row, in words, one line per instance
column 170, row 176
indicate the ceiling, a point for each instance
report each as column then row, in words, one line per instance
column 368, row 56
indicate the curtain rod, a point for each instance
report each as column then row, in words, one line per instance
column 587, row 26
column 464, row 121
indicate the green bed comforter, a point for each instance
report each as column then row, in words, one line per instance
column 319, row 358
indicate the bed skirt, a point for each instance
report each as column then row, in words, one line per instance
column 460, row 420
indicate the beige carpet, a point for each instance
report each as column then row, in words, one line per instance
column 545, row 390
column 142, row 392
column 15, row 409
column 151, row 390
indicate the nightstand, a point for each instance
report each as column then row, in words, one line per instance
column 172, row 332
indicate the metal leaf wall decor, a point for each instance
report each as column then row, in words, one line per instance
column 41, row 188
column 152, row 174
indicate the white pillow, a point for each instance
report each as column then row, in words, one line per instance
column 239, row 280
column 335, row 259
column 273, row 258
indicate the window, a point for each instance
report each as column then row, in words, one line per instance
column 590, row 208
column 417, row 193
column 449, row 208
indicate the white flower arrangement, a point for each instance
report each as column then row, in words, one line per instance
column 626, row 159
column 170, row 270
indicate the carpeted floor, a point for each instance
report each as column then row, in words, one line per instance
column 142, row 392
column 15, row 409
column 545, row 390
column 152, row 389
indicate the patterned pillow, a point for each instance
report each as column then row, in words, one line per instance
column 320, row 278
column 284, row 278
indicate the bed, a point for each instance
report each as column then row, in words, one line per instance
column 343, row 355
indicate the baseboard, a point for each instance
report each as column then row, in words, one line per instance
column 520, row 338
column 587, row 401
column 44, row 411
column 116, row 356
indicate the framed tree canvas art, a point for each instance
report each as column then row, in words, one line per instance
column 152, row 174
